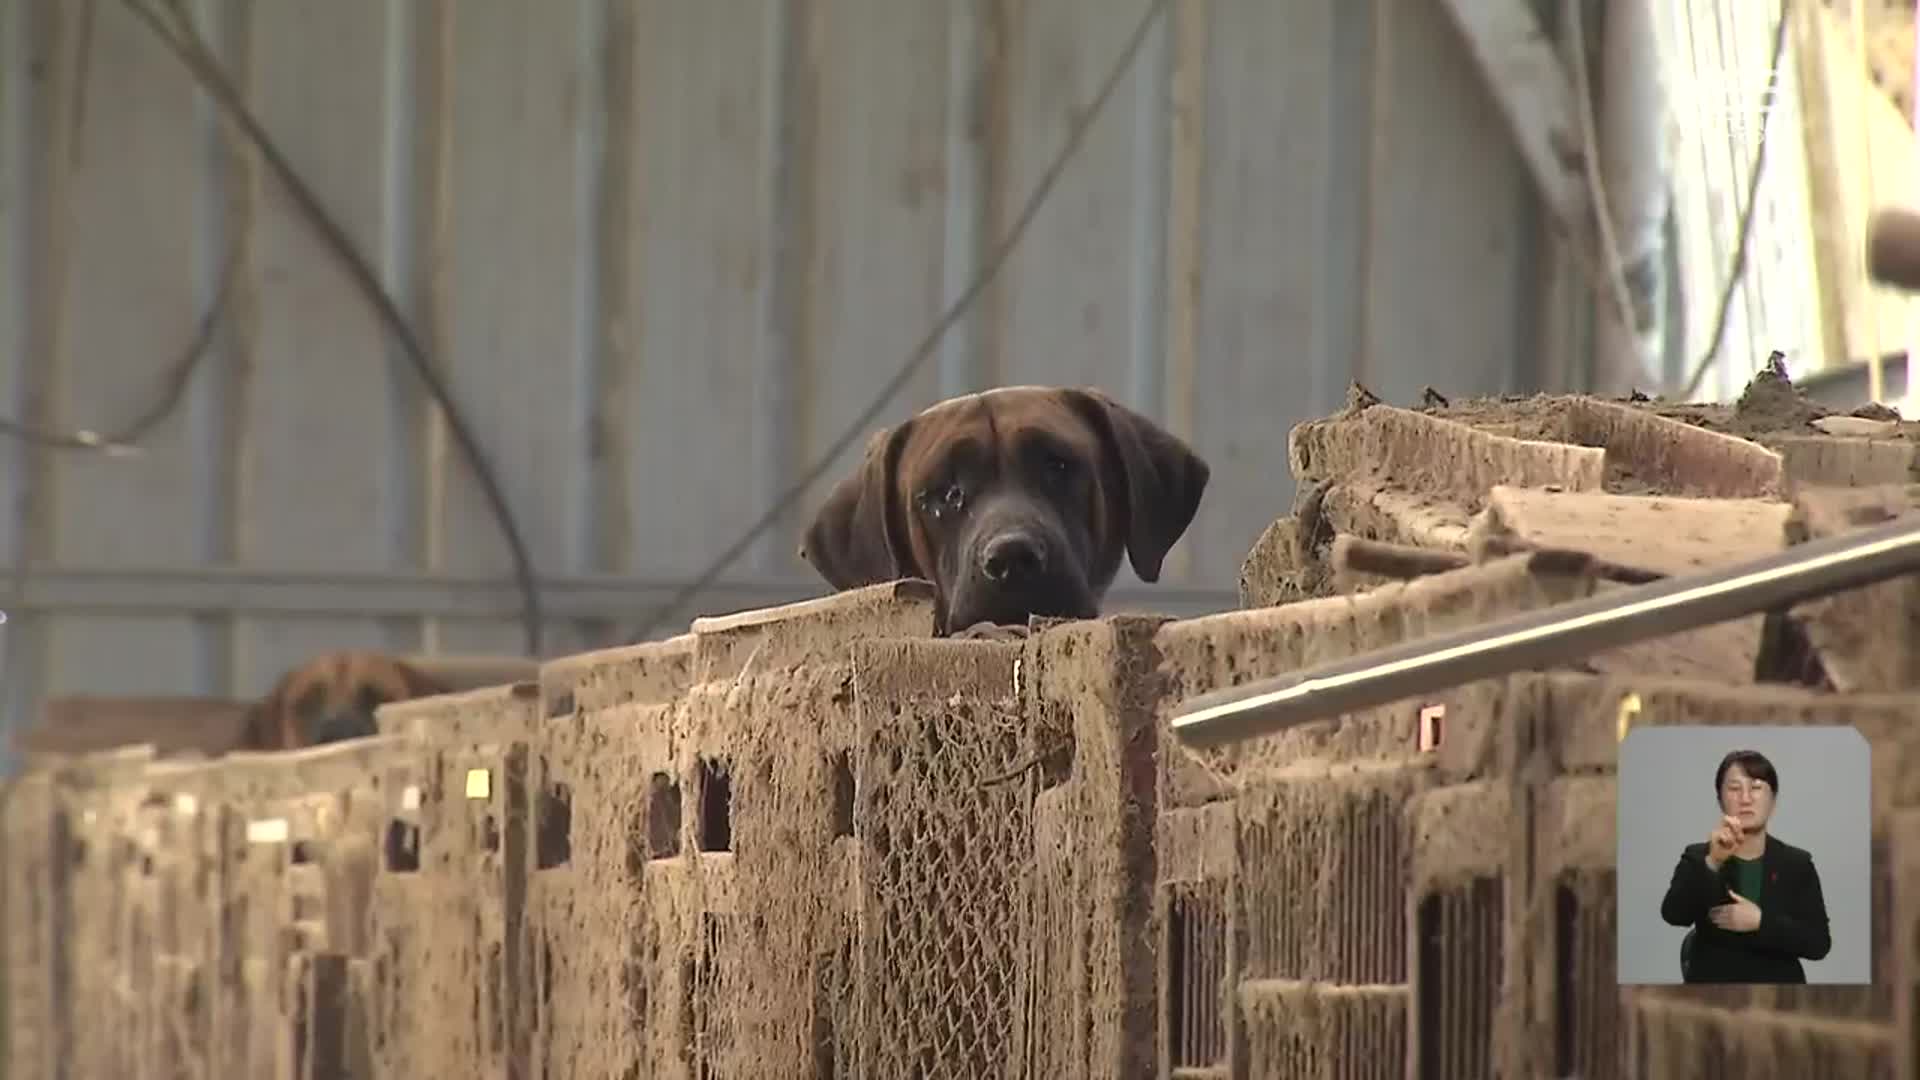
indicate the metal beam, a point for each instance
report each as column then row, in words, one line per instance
column 1535, row 95
column 174, row 590
column 1555, row 635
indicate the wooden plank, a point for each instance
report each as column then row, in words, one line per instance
column 1872, row 160
column 131, row 301
column 1716, row 56
column 1397, row 515
column 1673, row 456
column 82, row 724
column 1794, row 318
column 909, row 590
column 1181, row 63
column 1565, row 324
column 1821, row 460
column 1436, row 457
column 318, row 438
column 517, row 267
column 315, row 435
column 26, row 229
column 22, row 177
column 1829, row 254
column 975, row 91
column 132, row 298
column 874, row 90
column 1668, row 535
column 1780, row 280
column 1534, row 94
column 1448, row 272
column 1268, row 169
column 1081, row 299
column 1070, row 289
column 700, row 261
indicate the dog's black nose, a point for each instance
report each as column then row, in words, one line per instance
column 1013, row 558
column 340, row 726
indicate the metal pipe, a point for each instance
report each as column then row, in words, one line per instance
column 1559, row 634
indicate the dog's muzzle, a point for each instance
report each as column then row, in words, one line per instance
column 1015, row 567
column 341, row 726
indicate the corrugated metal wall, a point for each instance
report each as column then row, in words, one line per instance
column 665, row 250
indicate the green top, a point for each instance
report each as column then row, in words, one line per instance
column 1746, row 877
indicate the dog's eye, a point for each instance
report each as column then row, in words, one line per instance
column 939, row 501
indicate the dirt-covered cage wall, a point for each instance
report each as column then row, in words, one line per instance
column 817, row 841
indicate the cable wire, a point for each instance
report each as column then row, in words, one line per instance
column 1744, row 236
column 125, row 441
column 187, row 45
column 922, row 352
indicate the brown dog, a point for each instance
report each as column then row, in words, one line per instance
column 333, row 697
column 1015, row 502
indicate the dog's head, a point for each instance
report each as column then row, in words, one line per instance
column 1014, row 503
column 333, row 697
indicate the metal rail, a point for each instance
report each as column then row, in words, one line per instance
column 1568, row 632
column 1559, row 634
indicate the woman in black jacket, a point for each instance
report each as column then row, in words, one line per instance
column 1753, row 900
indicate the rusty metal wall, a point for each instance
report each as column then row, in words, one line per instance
column 665, row 250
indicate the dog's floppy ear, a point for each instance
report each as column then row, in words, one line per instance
column 859, row 536
column 1159, row 482
column 266, row 723
column 256, row 731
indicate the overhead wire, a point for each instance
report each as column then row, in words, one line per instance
column 185, row 41
column 1743, row 237
column 924, row 350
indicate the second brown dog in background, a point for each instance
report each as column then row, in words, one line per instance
column 333, row 697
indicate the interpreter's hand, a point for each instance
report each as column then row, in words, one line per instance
column 1742, row 916
column 1722, row 840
